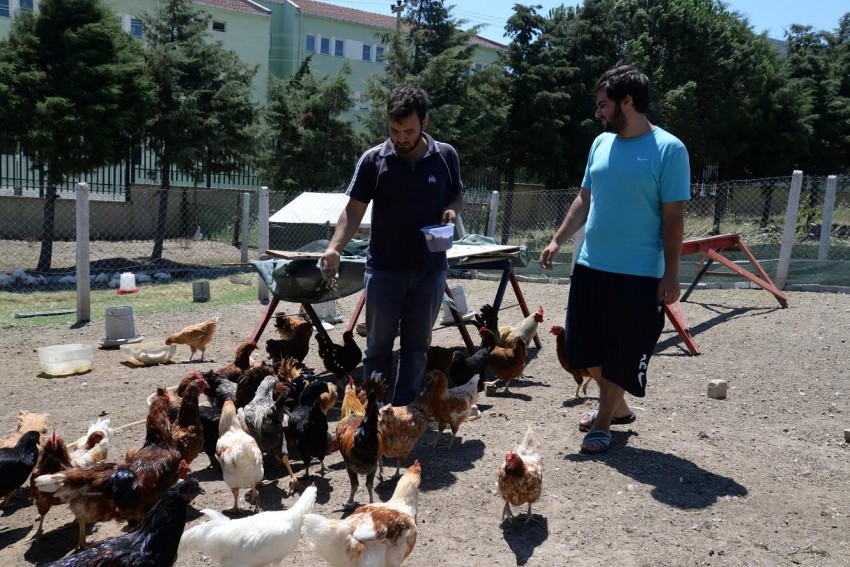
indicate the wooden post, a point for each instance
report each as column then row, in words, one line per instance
column 790, row 228
column 262, row 239
column 83, row 257
column 493, row 210
column 826, row 224
column 246, row 219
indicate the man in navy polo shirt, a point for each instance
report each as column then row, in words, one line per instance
column 413, row 181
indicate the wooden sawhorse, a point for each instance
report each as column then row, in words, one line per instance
column 711, row 247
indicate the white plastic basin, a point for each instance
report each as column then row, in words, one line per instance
column 438, row 237
column 61, row 360
column 147, row 353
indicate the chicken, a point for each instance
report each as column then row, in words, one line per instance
column 186, row 428
column 527, row 329
column 93, row 447
column 238, row 454
column 246, row 385
column 94, row 494
column 580, row 375
column 210, row 420
column 176, row 394
column 351, row 404
column 292, row 378
column 440, row 358
column 297, row 345
column 463, row 367
column 197, row 336
column 158, row 464
column 255, row 541
column 27, row 421
column 266, row 420
column 341, row 359
column 325, row 392
column 285, row 325
column 450, row 407
column 153, row 544
column 488, row 317
column 401, row 427
column 219, row 389
column 507, row 363
column 374, row 535
column 359, row 441
column 241, row 362
column 521, row 476
column 54, row 458
column 309, row 426
column 16, row 464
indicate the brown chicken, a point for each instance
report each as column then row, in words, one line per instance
column 506, row 363
column 158, row 464
column 341, row 359
column 27, row 421
column 450, row 407
column 351, row 404
column 248, row 383
column 527, row 329
column 285, row 325
column 440, row 358
column 54, row 458
column 176, row 394
column 401, row 428
column 241, row 362
column 197, row 336
column 294, row 343
column 521, row 477
column 359, row 440
column 580, row 375
column 186, row 428
column 93, row 447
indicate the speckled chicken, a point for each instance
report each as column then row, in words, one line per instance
column 450, row 407
column 521, row 476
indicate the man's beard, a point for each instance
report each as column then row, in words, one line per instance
column 409, row 148
column 617, row 123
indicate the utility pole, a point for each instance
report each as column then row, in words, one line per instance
column 397, row 9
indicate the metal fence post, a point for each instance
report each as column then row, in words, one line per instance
column 262, row 239
column 493, row 210
column 789, row 229
column 83, row 255
column 826, row 224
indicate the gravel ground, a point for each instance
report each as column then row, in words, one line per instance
column 758, row 478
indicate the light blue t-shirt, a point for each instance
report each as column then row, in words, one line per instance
column 628, row 180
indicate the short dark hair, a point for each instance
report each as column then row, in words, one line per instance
column 625, row 80
column 406, row 100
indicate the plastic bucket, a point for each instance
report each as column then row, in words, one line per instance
column 327, row 311
column 200, row 291
column 127, row 283
column 120, row 323
column 438, row 237
column 460, row 300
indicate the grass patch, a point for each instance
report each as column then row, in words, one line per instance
column 152, row 298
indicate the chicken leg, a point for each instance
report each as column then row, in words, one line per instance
column 235, row 492
column 293, row 482
column 355, row 482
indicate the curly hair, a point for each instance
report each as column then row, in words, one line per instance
column 625, row 80
column 406, row 100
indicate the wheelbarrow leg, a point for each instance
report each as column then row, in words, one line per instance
column 317, row 322
column 270, row 309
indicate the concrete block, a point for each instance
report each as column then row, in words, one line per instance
column 717, row 389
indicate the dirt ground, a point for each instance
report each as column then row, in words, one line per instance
column 759, row 478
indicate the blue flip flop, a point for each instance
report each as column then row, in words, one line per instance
column 595, row 442
column 625, row 420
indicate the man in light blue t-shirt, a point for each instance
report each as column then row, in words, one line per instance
column 632, row 199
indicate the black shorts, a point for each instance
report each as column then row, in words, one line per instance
column 613, row 321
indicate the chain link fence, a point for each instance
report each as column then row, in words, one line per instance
column 206, row 236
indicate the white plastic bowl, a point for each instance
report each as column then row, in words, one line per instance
column 147, row 353
column 438, row 237
column 61, row 360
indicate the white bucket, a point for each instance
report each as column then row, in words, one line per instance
column 120, row 323
column 460, row 300
column 327, row 311
column 127, row 283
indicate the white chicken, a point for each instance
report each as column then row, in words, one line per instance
column 521, row 477
column 374, row 535
column 239, row 455
column 262, row 539
column 93, row 447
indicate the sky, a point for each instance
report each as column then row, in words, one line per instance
column 773, row 16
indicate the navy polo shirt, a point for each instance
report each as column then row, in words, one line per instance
column 404, row 199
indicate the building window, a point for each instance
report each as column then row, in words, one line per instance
column 219, row 26
column 326, row 45
column 379, row 53
column 311, row 43
column 367, row 53
column 4, row 8
column 339, row 48
column 26, row 4
column 136, row 28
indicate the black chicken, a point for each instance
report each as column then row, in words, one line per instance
column 488, row 317
column 339, row 359
column 16, row 464
column 463, row 368
column 210, row 418
column 309, row 425
column 220, row 388
column 153, row 544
